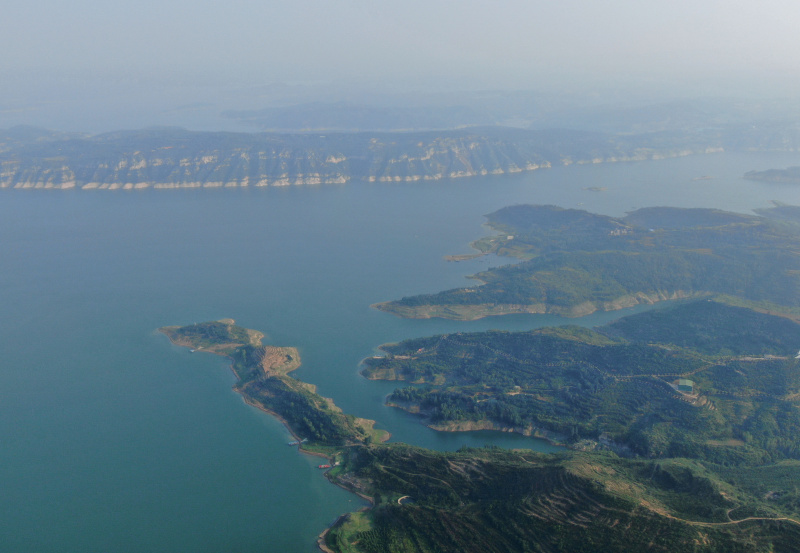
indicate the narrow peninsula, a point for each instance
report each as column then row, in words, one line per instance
column 263, row 380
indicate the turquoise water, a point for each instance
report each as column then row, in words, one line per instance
column 111, row 439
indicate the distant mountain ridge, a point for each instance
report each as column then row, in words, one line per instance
column 345, row 117
column 177, row 158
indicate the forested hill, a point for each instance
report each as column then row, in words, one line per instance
column 177, row 158
column 577, row 262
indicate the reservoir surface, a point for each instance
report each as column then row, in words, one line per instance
column 112, row 439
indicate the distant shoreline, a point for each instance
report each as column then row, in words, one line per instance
column 177, row 158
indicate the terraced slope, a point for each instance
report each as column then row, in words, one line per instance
column 497, row 501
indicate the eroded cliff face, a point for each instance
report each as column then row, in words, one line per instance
column 167, row 160
column 184, row 159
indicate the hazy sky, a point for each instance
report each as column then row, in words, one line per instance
column 58, row 52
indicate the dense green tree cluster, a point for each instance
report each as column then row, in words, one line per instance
column 303, row 411
column 711, row 328
column 617, row 384
column 478, row 500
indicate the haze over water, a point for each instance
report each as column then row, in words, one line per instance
column 114, row 440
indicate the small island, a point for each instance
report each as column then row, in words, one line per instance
column 463, row 257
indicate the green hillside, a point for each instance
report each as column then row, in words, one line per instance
column 576, row 263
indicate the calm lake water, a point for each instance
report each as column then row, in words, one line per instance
column 112, row 439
